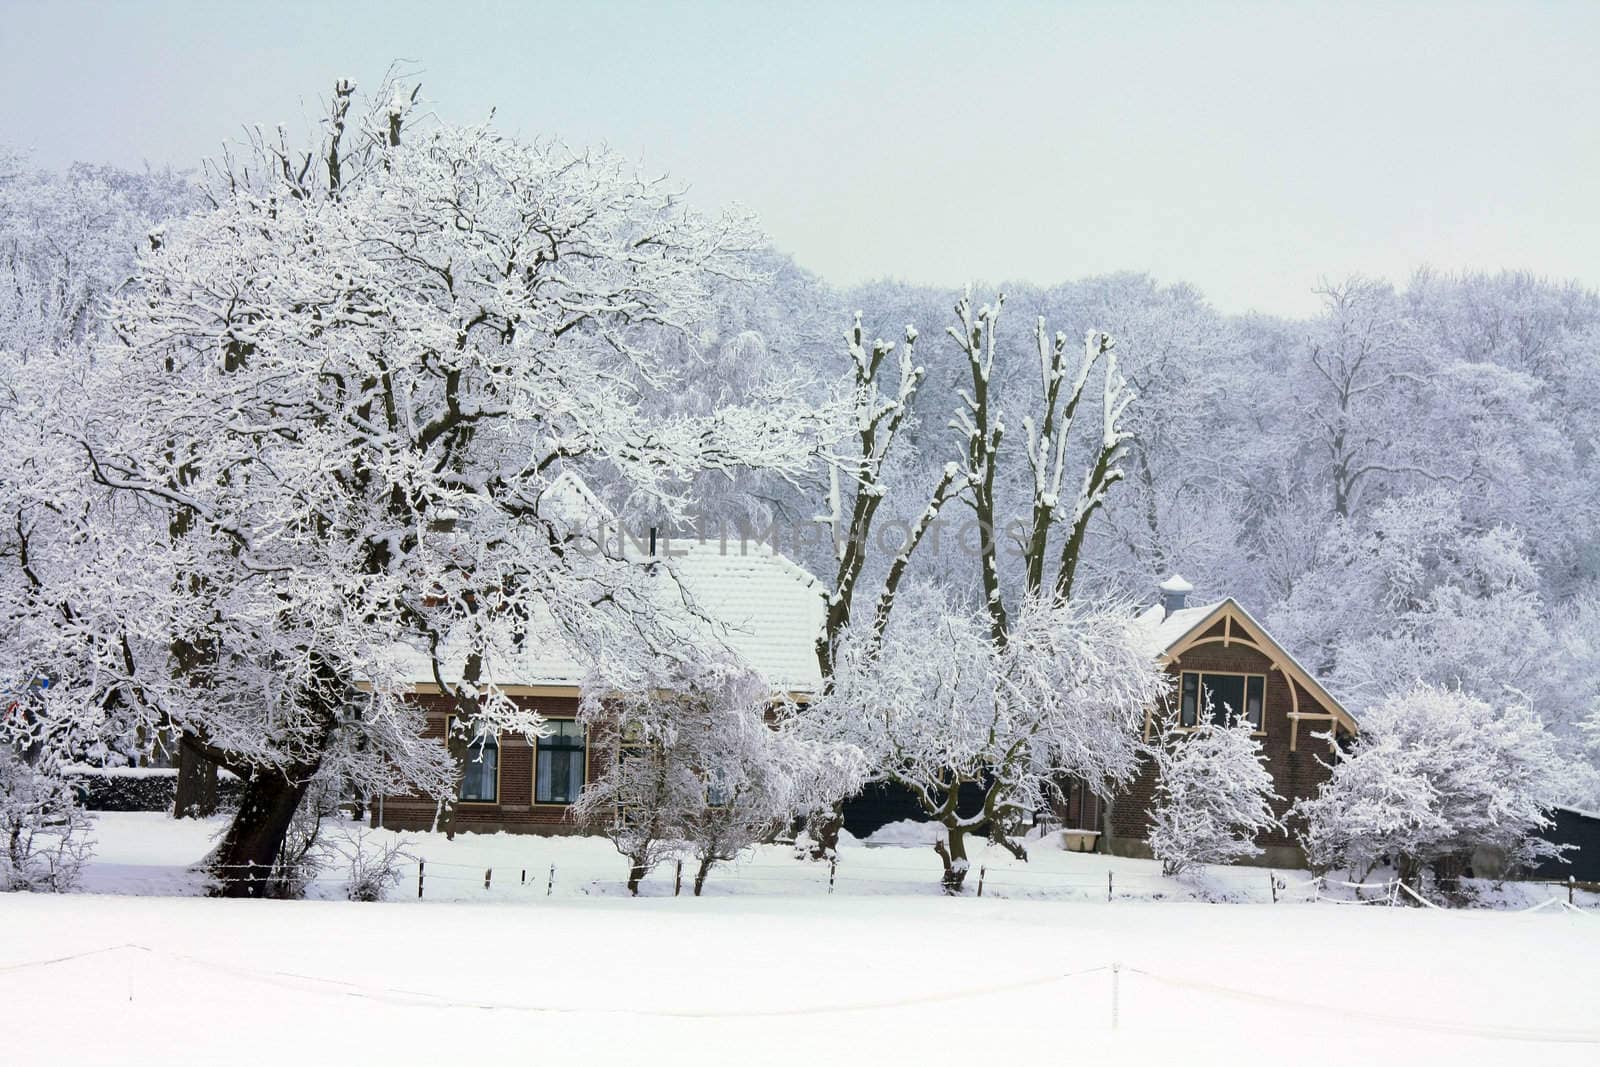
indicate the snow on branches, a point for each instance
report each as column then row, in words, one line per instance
column 937, row 705
column 699, row 770
column 335, row 408
column 1213, row 796
column 1436, row 774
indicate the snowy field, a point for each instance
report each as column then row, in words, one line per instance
column 772, row 969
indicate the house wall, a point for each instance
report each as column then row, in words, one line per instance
column 515, row 811
column 1295, row 774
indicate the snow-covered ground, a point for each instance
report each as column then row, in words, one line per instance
column 144, row 853
column 771, row 968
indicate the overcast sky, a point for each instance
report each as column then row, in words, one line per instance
column 1248, row 149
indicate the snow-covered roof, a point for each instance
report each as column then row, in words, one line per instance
column 769, row 609
column 1168, row 632
column 753, row 600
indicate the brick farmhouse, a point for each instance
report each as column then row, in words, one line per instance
column 1222, row 658
column 770, row 611
column 744, row 595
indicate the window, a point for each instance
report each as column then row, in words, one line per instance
column 1229, row 696
column 480, row 776
column 558, row 768
column 718, row 792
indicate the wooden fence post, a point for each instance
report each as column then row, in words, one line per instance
column 1108, row 887
column 677, row 879
column 833, row 866
column 550, row 887
column 524, row 876
column 1571, row 883
column 1273, row 880
column 488, row 872
column 420, row 865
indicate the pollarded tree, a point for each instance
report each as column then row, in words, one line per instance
column 1435, row 775
column 937, row 705
column 1017, row 709
column 344, row 392
column 1213, row 796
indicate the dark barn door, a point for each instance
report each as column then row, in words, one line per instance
column 885, row 802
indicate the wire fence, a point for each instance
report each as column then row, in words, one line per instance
column 1117, row 1018
column 998, row 880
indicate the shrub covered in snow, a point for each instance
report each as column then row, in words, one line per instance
column 1213, row 796
column 44, row 838
column 1437, row 774
column 373, row 861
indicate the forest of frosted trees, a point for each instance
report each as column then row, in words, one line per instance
column 1406, row 482
column 1402, row 488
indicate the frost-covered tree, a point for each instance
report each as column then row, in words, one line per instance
column 1360, row 361
column 1585, row 790
column 338, row 398
column 1213, row 796
column 68, row 242
column 1435, row 775
column 936, row 705
column 1009, row 714
column 1415, row 593
column 44, row 835
column 702, row 767
column 637, row 802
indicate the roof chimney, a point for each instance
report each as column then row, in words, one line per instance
column 1174, row 593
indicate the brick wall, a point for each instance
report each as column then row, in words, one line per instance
column 514, row 811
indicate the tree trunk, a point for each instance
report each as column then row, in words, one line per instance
column 249, row 851
column 636, row 873
column 1447, row 874
column 1409, row 870
column 1106, row 837
column 954, row 855
column 196, row 792
column 700, row 875
column 824, row 828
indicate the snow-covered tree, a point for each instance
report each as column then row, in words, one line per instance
column 1213, row 796
column 1435, row 775
column 878, row 416
column 1415, row 593
column 1360, row 360
column 937, row 705
column 44, row 835
column 1585, row 790
column 703, row 768
column 68, row 242
column 351, row 383
column 1009, row 715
